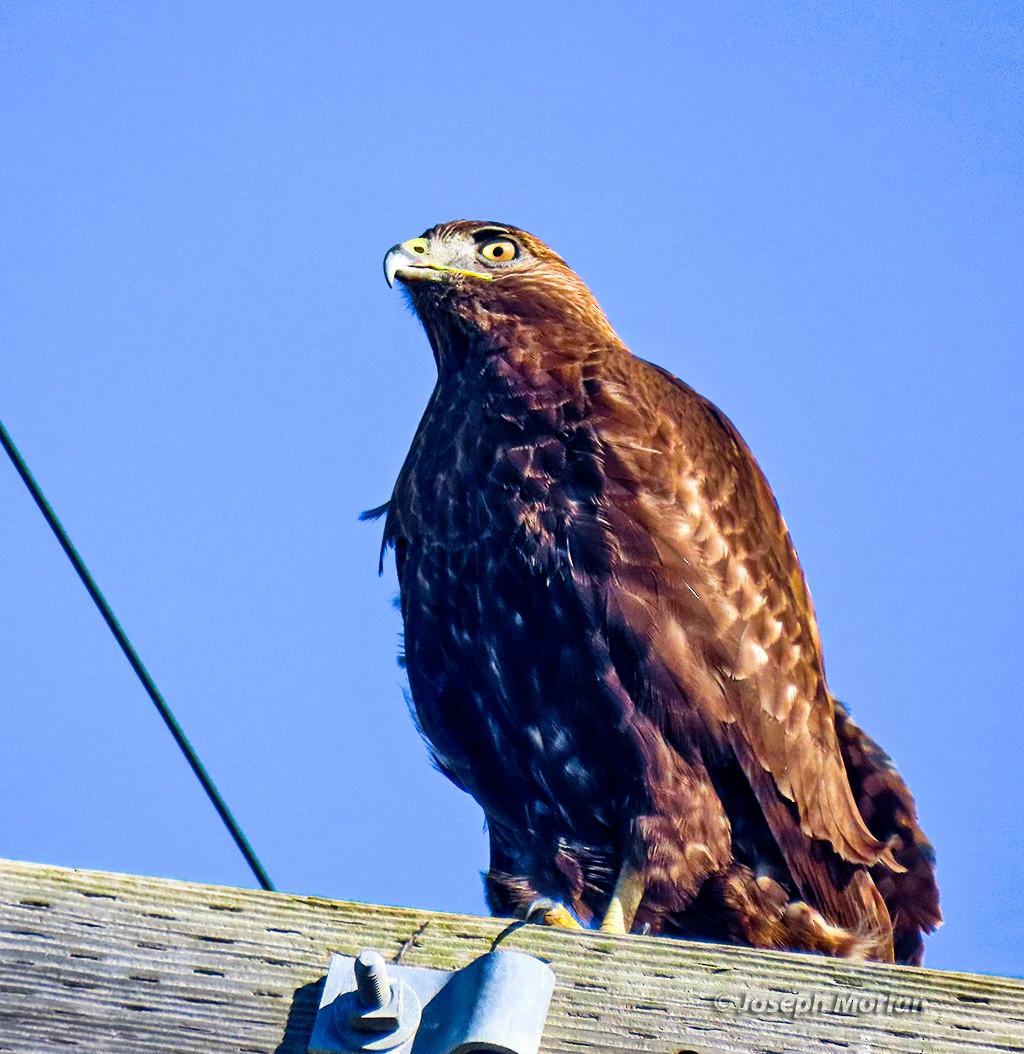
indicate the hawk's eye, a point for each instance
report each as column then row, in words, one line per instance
column 500, row 250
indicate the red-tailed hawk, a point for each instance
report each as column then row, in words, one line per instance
column 609, row 640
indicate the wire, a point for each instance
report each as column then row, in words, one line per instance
column 136, row 663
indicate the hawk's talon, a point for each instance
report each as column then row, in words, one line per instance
column 552, row 913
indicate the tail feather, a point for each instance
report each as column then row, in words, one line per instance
column 887, row 806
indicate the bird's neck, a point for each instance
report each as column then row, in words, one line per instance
column 530, row 347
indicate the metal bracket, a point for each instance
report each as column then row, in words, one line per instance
column 498, row 1003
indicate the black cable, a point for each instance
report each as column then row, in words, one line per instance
column 136, row 663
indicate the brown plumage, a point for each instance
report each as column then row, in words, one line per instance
column 609, row 640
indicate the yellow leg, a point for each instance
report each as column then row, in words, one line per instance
column 629, row 891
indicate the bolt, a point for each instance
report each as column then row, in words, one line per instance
column 372, row 982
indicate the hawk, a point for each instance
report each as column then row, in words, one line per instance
column 609, row 641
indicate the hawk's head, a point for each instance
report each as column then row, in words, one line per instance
column 486, row 279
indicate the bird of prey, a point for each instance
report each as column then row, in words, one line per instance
column 609, row 641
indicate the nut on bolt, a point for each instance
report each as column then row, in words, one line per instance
column 373, row 984
column 382, row 1013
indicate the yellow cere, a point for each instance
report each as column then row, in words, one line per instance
column 421, row 247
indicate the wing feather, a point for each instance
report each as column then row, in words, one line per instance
column 728, row 595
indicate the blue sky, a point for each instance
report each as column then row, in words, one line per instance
column 810, row 212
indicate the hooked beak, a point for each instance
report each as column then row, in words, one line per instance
column 411, row 261
column 402, row 261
